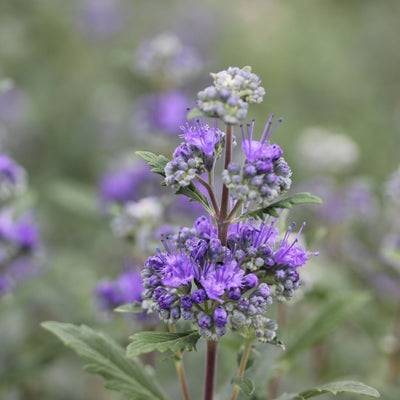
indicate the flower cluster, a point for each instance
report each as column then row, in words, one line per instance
column 19, row 236
column 196, row 155
column 219, row 287
column 265, row 174
column 166, row 57
column 232, row 92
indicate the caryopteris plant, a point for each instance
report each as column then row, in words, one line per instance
column 224, row 273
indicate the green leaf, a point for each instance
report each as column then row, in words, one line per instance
column 194, row 113
column 330, row 316
column 247, row 386
column 333, row 388
column 194, row 194
column 158, row 162
column 144, row 342
column 107, row 358
column 135, row 308
column 272, row 209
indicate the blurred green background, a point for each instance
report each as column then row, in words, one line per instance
column 331, row 63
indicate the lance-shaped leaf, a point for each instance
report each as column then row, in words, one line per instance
column 246, row 385
column 158, row 162
column 194, row 194
column 135, row 308
column 272, row 209
column 145, row 342
column 333, row 388
column 107, row 358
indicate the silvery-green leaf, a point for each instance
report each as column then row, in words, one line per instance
column 107, row 358
column 333, row 388
column 247, row 386
column 145, row 342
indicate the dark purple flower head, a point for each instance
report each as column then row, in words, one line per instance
column 220, row 316
column 186, row 302
column 199, row 296
column 250, row 280
column 201, row 135
column 166, row 300
column 205, row 320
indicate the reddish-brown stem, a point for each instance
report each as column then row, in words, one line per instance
column 211, row 365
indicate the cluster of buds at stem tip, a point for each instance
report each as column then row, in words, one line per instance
column 232, row 92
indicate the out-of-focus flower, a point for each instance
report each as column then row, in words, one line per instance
column 160, row 112
column 129, row 182
column 323, row 151
column 126, row 288
column 13, row 104
column 165, row 57
column 101, row 18
column 12, row 177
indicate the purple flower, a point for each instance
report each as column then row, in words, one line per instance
column 202, row 136
column 186, row 302
column 218, row 278
column 291, row 254
column 251, row 280
column 220, row 316
column 179, row 269
column 199, row 296
column 205, row 320
column 260, row 149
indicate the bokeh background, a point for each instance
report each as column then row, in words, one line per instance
column 71, row 114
